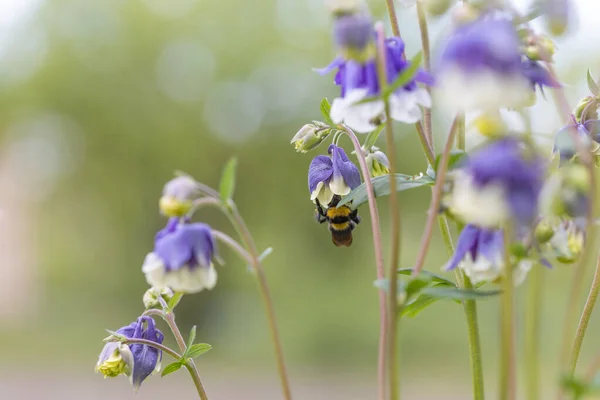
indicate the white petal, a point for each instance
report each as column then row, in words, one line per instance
column 403, row 107
column 482, row 270
column 191, row 280
column 520, row 273
column 484, row 206
column 339, row 109
column 322, row 193
column 338, row 186
column 422, row 97
column 154, row 269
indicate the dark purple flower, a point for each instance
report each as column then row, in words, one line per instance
column 480, row 66
column 182, row 258
column 358, row 79
column 500, row 181
column 480, row 254
column 137, row 361
column 334, row 175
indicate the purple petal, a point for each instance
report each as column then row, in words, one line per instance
column 538, row 75
column 320, row 170
column 343, row 167
column 336, row 63
column 170, row 228
column 145, row 357
column 467, row 242
column 491, row 244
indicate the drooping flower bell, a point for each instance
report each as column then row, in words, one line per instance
column 182, row 259
column 377, row 162
column 480, row 253
column 310, row 136
column 178, row 195
column 136, row 361
column 329, row 176
column 358, row 79
column 498, row 183
column 480, row 67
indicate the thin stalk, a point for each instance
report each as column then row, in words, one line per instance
column 265, row 293
column 233, row 245
column 391, row 9
column 507, row 345
column 460, row 138
column 158, row 346
column 422, row 17
column 395, row 228
column 532, row 334
column 585, row 318
column 379, row 262
column 435, row 201
column 427, row 149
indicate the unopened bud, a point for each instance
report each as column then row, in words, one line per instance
column 310, row 136
column 178, row 196
column 151, row 297
column 557, row 15
column 353, row 35
column 544, row 231
column 437, row 7
column 377, row 162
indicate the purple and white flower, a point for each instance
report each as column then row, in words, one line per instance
column 358, row 80
column 136, row 361
column 481, row 67
column 334, row 175
column 182, row 259
column 497, row 183
column 480, row 253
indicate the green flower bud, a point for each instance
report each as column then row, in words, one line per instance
column 338, row 7
column 544, row 231
column 377, row 162
column 437, row 7
column 586, row 109
column 310, row 136
column 150, row 298
column 539, row 48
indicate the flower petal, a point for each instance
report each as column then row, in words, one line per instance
column 336, row 63
column 466, row 243
column 320, row 170
column 343, row 168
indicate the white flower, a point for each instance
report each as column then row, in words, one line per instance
column 358, row 116
column 405, row 105
column 185, row 279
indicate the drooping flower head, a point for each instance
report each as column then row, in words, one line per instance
column 377, row 162
column 182, row 259
column 333, row 175
column 498, row 183
column 310, row 136
column 137, row 361
column 480, row 253
column 481, row 67
column 557, row 13
column 358, row 79
column 178, row 195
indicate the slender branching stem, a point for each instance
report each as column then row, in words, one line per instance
column 460, row 138
column 242, row 228
column 435, row 201
column 532, row 333
column 422, row 17
column 158, row 346
column 427, row 149
column 395, row 226
column 379, row 262
column 233, row 245
column 391, row 9
column 585, row 318
column 508, row 376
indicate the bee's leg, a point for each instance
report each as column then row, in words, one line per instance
column 320, row 215
column 355, row 217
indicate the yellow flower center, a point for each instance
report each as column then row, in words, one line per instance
column 113, row 366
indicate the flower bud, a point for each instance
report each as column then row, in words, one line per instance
column 544, row 231
column 178, row 196
column 539, row 48
column 557, row 15
column 353, row 34
column 310, row 136
column 377, row 162
column 151, row 297
column 463, row 14
column 437, row 7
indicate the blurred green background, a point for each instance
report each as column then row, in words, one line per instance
column 102, row 100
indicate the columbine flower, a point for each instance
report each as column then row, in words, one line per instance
column 566, row 192
column 178, row 195
column 310, row 136
column 329, row 176
column 358, row 80
column 137, row 361
column 499, row 182
column 377, row 162
column 480, row 67
column 182, row 258
column 480, row 254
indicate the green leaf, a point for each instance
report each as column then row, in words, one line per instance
column 191, row 338
column 198, row 349
column 174, row 301
column 325, row 110
column 414, row 286
column 417, row 305
column 406, row 76
column 431, row 275
column 227, row 185
column 381, row 187
column 169, row 369
column 265, row 253
column 455, row 157
column 372, row 137
column 592, row 85
column 454, row 293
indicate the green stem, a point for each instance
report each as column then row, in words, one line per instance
column 379, row 263
column 422, row 17
column 158, row 346
column 169, row 318
column 532, row 334
column 460, row 139
column 585, row 319
column 241, row 227
column 507, row 345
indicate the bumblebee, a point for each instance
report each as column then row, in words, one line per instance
column 342, row 221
